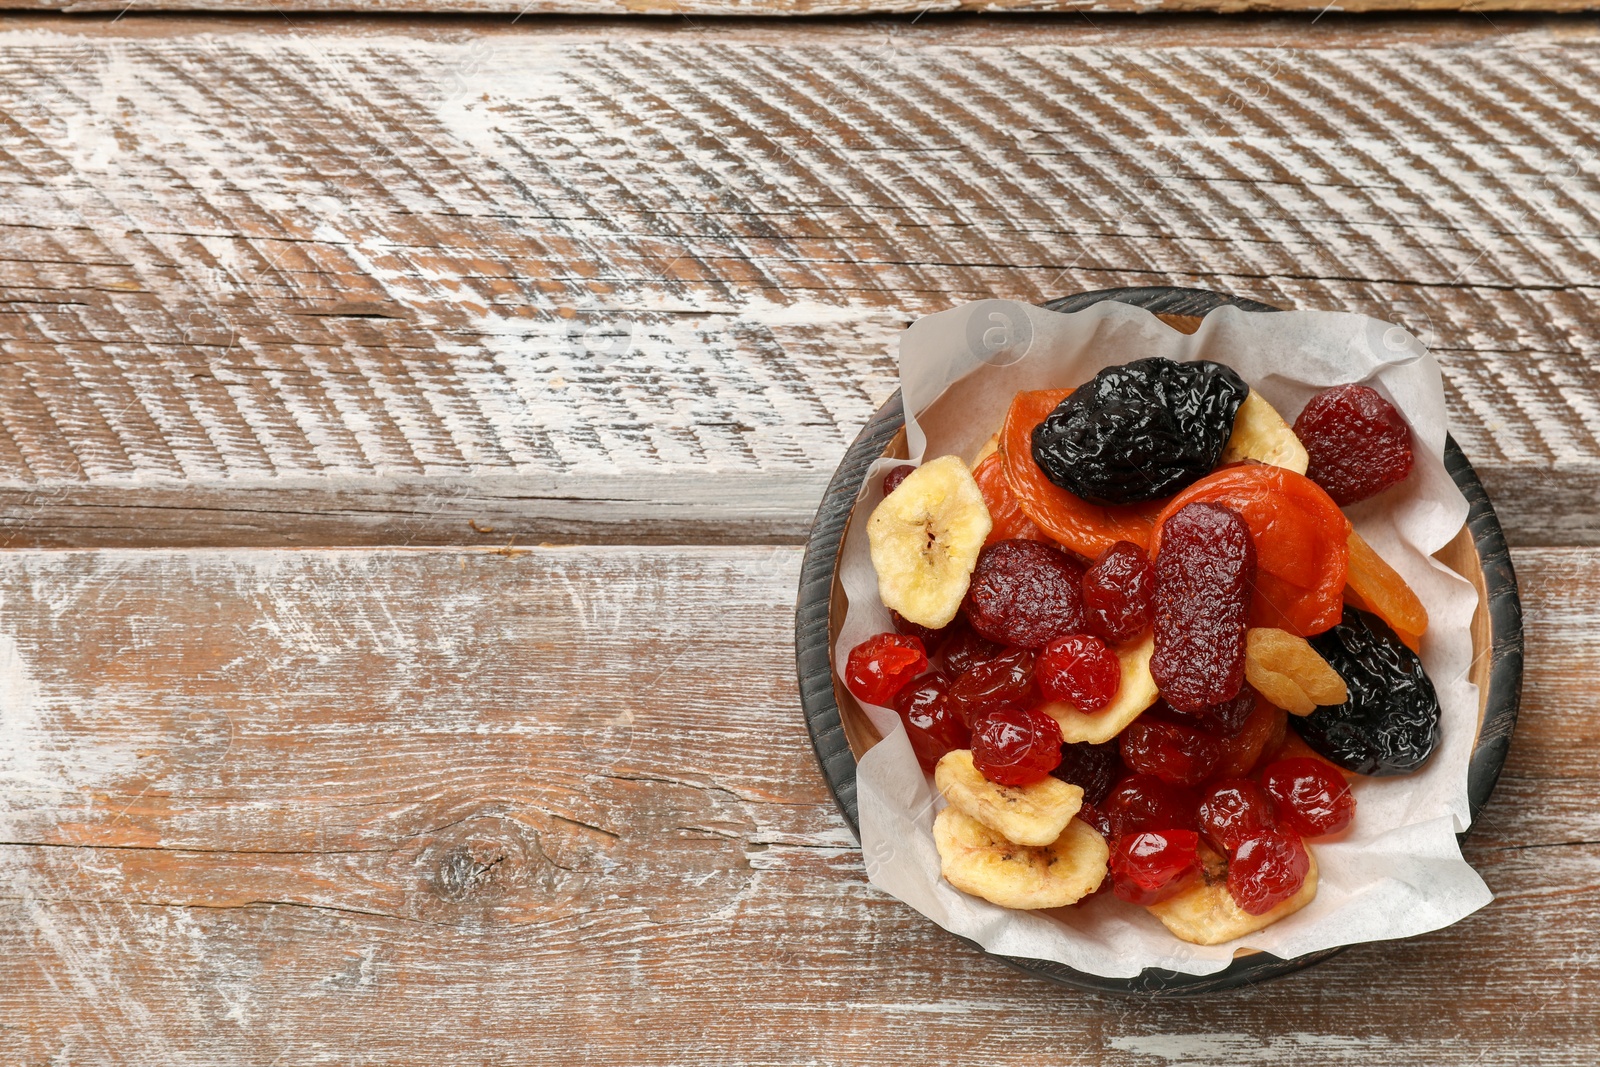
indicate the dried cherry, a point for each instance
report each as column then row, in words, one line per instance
column 1140, row 431
column 1390, row 724
column 880, row 666
column 1262, row 733
column 931, row 639
column 1172, row 752
column 931, row 722
column 1204, row 575
column 1266, row 869
column 1080, row 670
column 1093, row 768
column 1358, row 443
column 1231, row 809
column 896, row 475
column 1116, row 592
column 1149, row 867
column 1091, row 814
column 1312, row 798
column 1003, row 681
column 1016, row 746
column 964, row 649
column 1025, row 593
column 1145, row 802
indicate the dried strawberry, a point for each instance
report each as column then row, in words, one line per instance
column 1080, row 670
column 880, row 667
column 1204, row 573
column 1116, row 592
column 1359, row 444
column 1025, row 593
column 1016, row 746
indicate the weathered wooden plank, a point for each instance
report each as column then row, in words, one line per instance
column 791, row 8
column 371, row 270
column 252, row 803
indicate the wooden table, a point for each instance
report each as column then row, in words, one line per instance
column 407, row 430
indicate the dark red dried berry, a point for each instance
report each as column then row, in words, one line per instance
column 880, row 667
column 1233, row 808
column 1145, row 802
column 1149, row 867
column 1080, row 670
column 1016, row 746
column 932, row 724
column 1093, row 768
column 1313, row 799
column 1117, row 591
column 1096, row 818
column 1204, row 575
column 1228, row 718
column 931, row 639
column 896, row 475
column 1002, row 682
column 1025, row 593
column 1266, row 869
column 1359, row 444
column 963, row 648
column 1173, row 752
column 1262, row 733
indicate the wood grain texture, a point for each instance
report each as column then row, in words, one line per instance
column 787, row 8
column 277, row 283
column 452, row 805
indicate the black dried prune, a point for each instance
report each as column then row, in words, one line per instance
column 1390, row 724
column 1140, row 431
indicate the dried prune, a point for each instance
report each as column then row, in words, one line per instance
column 1004, row 681
column 1025, row 593
column 1140, row 431
column 1204, row 574
column 1117, row 590
column 1093, row 768
column 1390, row 724
column 1358, row 443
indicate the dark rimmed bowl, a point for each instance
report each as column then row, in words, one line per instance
column 1478, row 554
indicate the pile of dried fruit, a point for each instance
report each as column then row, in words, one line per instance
column 1104, row 625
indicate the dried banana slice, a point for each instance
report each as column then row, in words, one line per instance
column 1205, row 913
column 925, row 538
column 1137, row 692
column 1260, row 433
column 1289, row 672
column 1028, row 815
column 976, row 860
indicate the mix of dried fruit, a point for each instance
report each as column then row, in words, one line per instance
column 1105, row 624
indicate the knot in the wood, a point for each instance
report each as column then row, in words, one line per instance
column 492, row 868
column 466, row 869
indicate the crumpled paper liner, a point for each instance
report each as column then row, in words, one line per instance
column 1398, row 872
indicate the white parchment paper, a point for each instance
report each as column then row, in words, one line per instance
column 1398, row 872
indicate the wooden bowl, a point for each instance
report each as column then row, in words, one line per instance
column 841, row 732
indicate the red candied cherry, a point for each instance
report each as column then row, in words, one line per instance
column 1095, row 818
column 896, row 475
column 1181, row 755
column 1358, row 443
column 965, row 649
column 1001, row 682
column 880, row 666
column 931, row 639
column 1117, row 590
column 932, row 724
column 1145, row 802
column 1079, row 669
column 1148, row 867
column 1313, row 799
column 1016, row 746
column 1266, row 869
column 1232, row 809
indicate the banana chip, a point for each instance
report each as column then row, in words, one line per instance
column 925, row 538
column 976, row 860
column 1205, row 913
column 1028, row 815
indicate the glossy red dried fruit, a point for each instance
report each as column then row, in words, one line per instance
column 1175, row 753
column 932, row 724
column 1096, row 818
column 931, row 639
column 1001, row 682
column 1116, row 592
column 1025, row 593
column 1149, row 867
column 1266, row 869
column 1093, row 768
column 1204, row 573
column 1359, row 444
column 1016, row 746
column 963, row 648
column 896, row 475
column 880, row 666
column 1229, row 717
column 1080, row 670
column 1233, row 808
column 1262, row 732
column 1144, row 802
column 1312, row 798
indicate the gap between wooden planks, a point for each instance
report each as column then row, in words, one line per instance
column 306, row 806
column 288, row 282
